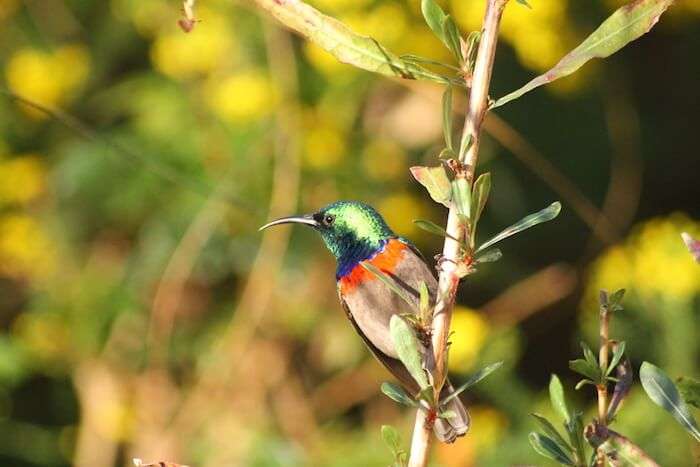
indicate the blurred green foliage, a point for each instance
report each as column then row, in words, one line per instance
column 143, row 315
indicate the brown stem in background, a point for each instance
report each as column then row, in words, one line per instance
column 449, row 278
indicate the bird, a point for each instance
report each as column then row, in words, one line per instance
column 355, row 233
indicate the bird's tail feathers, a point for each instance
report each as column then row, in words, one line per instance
column 449, row 429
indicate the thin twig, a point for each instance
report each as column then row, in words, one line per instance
column 449, row 278
column 603, row 358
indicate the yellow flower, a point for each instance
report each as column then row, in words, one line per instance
column 240, row 97
column 325, row 62
column 205, row 48
column 470, row 332
column 399, row 210
column 45, row 335
column 324, row 146
column 384, row 160
column 47, row 77
column 25, row 250
column 22, row 179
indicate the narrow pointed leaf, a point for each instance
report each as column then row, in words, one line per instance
column 412, row 58
column 433, row 228
column 389, row 282
column 574, row 428
column 397, row 394
column 622, row 27
column 452, row 38
column 434, row 17
column 464, row 145
column 447, row 414
column 546, row 214
column 343, row 43
column 586, row 369
column 424, row 297
column 614, row 301
column 692, row 244
column 447, row 117
column 621, row 452
column 462, row 196
column 556, row 396
column 546, row 447
column 582, row 383
column 663, row 392
column 489, row 256
column 690, row 390
column 407, row 347
column 552, row 432
column 480, row 194
column 476, row 377
column 618, row 352
column 435, row 180
column 588, row 354
column 524, row 3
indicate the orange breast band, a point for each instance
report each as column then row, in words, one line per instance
column 386, row 261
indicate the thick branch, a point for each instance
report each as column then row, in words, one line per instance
column 449, row 279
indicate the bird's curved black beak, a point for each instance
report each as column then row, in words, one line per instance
column 307, row 219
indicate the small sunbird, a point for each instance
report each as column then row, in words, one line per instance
column 355, row 233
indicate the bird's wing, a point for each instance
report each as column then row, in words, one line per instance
column 394, row 365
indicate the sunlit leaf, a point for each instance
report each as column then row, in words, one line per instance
column 389, row 282
column 452, row 38
column 480, row 194
column 546, row 214
column 407, row 347
column 391, row 438
column 447, row 414
column 489, row 256
column 690, row 390
column 556, row 396
column 622, row 27
column 427, row 61
column 664, row 393
column 344, row 44
column 552, row 432
column 476, row 377
column 618, row 352
column 462, row 196
column 588, row 354
column 546, row 447
column 433, row 228
column 397, row 394
column 447, row 116
column 435, row 180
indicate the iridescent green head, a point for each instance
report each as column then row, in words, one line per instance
column 352, row 231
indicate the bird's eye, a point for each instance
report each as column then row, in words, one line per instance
column 328, row 219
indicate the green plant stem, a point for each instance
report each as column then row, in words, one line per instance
column 603, row 361
column 449, row 278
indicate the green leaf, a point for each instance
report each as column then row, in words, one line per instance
column 391, row 438
column 447, row 117
column 343, row 43
column 435, row 18
column 622, row 27
column 435, row 180
column 407, row 347
column 476, row 377
column 452, row 38
column 525, row 3
column 480, row 194
column 546, row 447
column 397, row 394
column 614, row 301
column 464, row 145
column 690, row 390
column 435, row 229
column 552, row 432
column 447, row 414
column 489, row 256
column 588, row 354
column 574, row 428
column 546, row 214
column 586, row 369
column 617, row 356
column 427, row 61
column 424, row 297
column 556, row 396
column 462, row 196
column 621, row 452
column 389, row 282
column 663, row 392
column 582, row 383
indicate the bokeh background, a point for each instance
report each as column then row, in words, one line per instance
column 143, row 315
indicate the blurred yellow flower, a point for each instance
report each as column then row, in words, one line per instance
column 539, row 34
column 384, row 160
column 652, row 262
column 47, row 77
column 22, row 179
column 184, row 56
column 470, row 332
column 240, row 97
column 44, row 335
column 491, row 425
column 25, row 249
column 399, row 210
column 324, row 146
column 325, row 62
